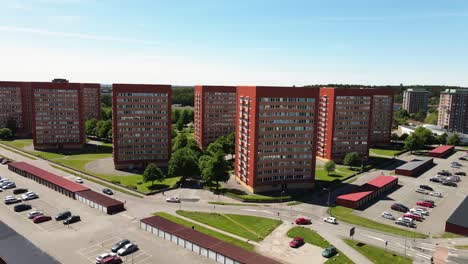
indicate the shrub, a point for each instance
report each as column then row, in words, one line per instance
column 131, row 186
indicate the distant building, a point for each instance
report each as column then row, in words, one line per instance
column 415, row 100
column 106, row 89
column 275, row 137
column 91, row 101
column 141, row 125
column 15, row 105
column 436, row 130
column 57, row 115
column 453, row 110
column 214, row 113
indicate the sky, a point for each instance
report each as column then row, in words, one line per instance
column 238, row 42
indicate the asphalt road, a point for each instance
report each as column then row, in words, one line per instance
column 15, row 249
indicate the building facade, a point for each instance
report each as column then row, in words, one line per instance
column 453, row 110
column 214, row 113
column 352, row 120
column 57, row 115
column 275, row 137
column 91, row 101
column 415, row 100
column 141, row 125
column 15, row 102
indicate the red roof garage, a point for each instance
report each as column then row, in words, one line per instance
column 99, row 201
column 367, row 192
column 442, row 151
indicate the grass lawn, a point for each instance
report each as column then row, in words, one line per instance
column 345, row 214
column 377, row 255
column 233, row 204
column 341, row 172
column 463, row 247
column 250, row 227
column 387, row 152
column 19, row 143
column 449, row 235
column 207, row 231
column 294, row 203
column 312, row 237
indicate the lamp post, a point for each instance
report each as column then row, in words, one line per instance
column 329, row 193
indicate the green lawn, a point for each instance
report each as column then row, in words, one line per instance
column 386, row 152
column 377, row 255
column 19, row 143
column 315, row 239
column 233, row 204
column 462, row 247
column 207, row 231
column 250, row 227
column 294, row 203
column 449, row 235
column 345, row 214
column 340, row 173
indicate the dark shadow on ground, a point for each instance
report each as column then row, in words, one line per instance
column 87, row 149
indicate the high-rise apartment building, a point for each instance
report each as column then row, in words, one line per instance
column 57, row 115
column 275, row 137
column 141, row 123
column 91, row 100
column 214, row 113
column 15, row 105
column 453, row 110
column 351, row 120
column 415, row 100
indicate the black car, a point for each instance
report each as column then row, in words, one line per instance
column 460, row 173
column 119, row 245
column 107, row 191
column 426, row 187
column 62, row 216
column 445, row 173
column 22, row 207
column 399, row 207
column 449, row 183
column 72, row 219
column 435, row 179
column 19, row 191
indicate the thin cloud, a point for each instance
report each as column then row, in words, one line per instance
column 73, row 35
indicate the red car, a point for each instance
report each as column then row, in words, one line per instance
column 425, row 204
column 41, row 218
column 413, row 216
column 112, row 260
column 296, row 242
column 303, row 221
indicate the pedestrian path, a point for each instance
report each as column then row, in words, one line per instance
column 352, row 254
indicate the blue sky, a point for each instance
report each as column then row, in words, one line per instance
column 236, row 42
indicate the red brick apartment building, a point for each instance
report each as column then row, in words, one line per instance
column 91, row 101
column 351, row 120
column 275, row 137
column 15, row 105
column 57, row 115
column 214, row 112
column 141, row 125
column 453, row 110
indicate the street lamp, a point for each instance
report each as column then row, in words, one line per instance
column 329, row 192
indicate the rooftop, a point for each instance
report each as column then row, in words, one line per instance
column 382, row 180
column 460, row 216
column 99, row 198
column 442, row 149
column 415, row 163
column 354, row 196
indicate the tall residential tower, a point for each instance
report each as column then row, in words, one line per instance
column 453, row 110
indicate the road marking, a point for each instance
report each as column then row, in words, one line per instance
column 376, row 238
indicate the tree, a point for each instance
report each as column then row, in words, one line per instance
column 106, row 100
column 153, row 173
column 454, row 140
column 106, row 113
column 109, row 133
column 330, row 166
column 395, row 137
column 413, row 143
column 183, row 163
column 6, row 133
column 424, row 135
column 215, row 147
column 404, row 136
column 351, row 159
column 180, row 124
column 214, row 168
column 420, row 116
column 194, row 147
column 175, row 115
column 231, row 143
column 103, row 128
column 431, row 118
column 442, row 139
column 90, row 126
column 180, row 142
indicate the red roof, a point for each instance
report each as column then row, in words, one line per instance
column 354, row 196
column 381, row 181
column 442, row 149
column 50, row 177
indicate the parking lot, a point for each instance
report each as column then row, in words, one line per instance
column 434, row 223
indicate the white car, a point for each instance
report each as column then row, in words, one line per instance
column 33, row 214
column 421, row 210
column 331, row 220
column 173, row 200
column 10, row 199
column 8, row 185
column 104, row 256
column 78, row 180
column 29, row 196
column 436, row 194
column 388, row 215
column 4, row 180
column 419, row 190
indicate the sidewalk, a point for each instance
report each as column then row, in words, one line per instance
column 352, row 254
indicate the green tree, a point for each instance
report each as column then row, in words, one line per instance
column 215, row 147
column 431, row 118
column 329, row 166
column 180, row 142
column 90, row 126
column 106, row 100
column 153, row 173
column 106, row 113
column 194, row 147
column 6, row 133
column 413, row 143
column 404, row 136
column 214, row 168
column 351, row 159
column 424, row 135
column 109, row 133
column 395, row 137
column 442, row 139
column 175, row 115
column 420, row 116
column 103, row 128
column 180, row 124
column 183, row 163
column 454, row 140
column 231, row 143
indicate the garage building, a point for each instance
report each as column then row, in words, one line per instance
column 415, row 166
column 48, row 179
column 442, row 151
column 201, row 244
column 367, row 192
column 458, row 221
column 99, row 201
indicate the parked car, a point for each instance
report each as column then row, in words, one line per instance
column 21, row 207
column 419, row 190
column 62, row 215
column 449, row 183
column 331, row 220
column 19, row 191
column 296, row 242
column 173, row 200
column 11, row 200
column 426, row 187
column 5, row 161
column 445, row 173
column 436, row 194
column 456, row 163
column 460, row 173
column 127, row 249
column 29, row 196
column 399, row 207
column 4, row 180
column 303, row 221
column 103, row 256
column 463, row 158
column 33, row 214
column 119, row 245
column 429, row 201
column 111, row 260
column 388, row 215
column 420, row 210
column 329, row 252
column 453, row 179
column 9, row 185
column 436, row 179
column 41, row 218
column 420, row 214
column 400, row 221
column 107, row 191
column 425, row 204
column 72, row 219
column 78, row 180
column 413, row 216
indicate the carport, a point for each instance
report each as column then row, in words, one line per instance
column 99, row 201
column 442, row 151
column 458, row 221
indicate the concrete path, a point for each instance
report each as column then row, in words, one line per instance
column 338, row 242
